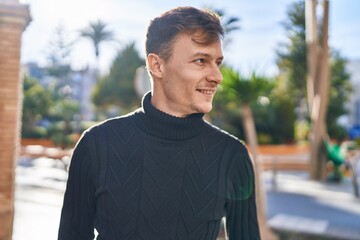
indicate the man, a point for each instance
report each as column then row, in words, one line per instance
column 162, row 172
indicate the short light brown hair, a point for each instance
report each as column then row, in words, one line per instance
column 163, row 30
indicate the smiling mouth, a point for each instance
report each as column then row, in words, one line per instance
column 208, row 92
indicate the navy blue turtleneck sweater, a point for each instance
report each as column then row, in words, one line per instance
column 149, row 175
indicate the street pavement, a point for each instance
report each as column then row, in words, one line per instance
column 39, row 189
column 296, row 206
column 321, row 210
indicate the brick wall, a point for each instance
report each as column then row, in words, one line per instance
column 13, row 19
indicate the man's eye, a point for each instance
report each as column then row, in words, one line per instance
column 218, row 64
column 200, row 60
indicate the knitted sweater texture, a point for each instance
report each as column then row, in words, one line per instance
column 152, row 176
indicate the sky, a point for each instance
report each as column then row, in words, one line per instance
column 253, row 48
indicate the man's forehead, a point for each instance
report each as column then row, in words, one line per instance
column 185, row 45
column 199, row 39
column 205, row 48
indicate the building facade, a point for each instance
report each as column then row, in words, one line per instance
column 353, row 67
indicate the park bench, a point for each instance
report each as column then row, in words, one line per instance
column 284, row 157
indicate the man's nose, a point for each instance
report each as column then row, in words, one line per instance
column 215, row 74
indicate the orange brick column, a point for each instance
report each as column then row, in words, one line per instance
column 14, row 17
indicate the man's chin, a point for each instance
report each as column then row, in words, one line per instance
column 206, row 109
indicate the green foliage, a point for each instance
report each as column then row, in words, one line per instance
column 302, row 130
column 273, row 109
column 242, row 89
column 117, row 88
column 274, row 120
column 292, row 63
column 273, row 112
column 292, row 55
column 284, row 125
column 226, row 114
column 35, row 132
column 40, row 105
column 340, row 92
column 44, row 107
column 36, row 104
column 63, row 113
column 62, row 134
column 60, row 71
column 282, row 108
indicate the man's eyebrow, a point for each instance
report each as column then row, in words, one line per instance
column 206, row 55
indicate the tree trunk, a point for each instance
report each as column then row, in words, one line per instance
column 318, row 88
column 251, row 139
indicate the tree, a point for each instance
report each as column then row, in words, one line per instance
column 340, row 90
column 273, row 113
column 280, row 116
column 61, row 130
column 60, row 46
column 36, row 105
column 292, row 55
column 59, row 51
column 305, row 66
column 317, row 83
column 64, row 107
column 117, row 88
column 274, row 118
column 97, row 33
column 229, row 24
column 245, row 91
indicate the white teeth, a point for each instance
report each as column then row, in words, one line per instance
column 206, row 91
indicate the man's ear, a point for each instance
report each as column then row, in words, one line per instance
column 155, row 65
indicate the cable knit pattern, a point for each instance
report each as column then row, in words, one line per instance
column 149, row 175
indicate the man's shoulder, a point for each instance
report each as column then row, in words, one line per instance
column 112, row 124
column 216, row 132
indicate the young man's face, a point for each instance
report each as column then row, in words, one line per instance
column 190, row 77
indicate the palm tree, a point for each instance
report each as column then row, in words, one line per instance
column 229, row 24
column 245, row 91
column 97, row 33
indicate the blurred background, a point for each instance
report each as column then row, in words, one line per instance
column 291, row 92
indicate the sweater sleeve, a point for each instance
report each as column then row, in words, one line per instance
column 241, row 215
column 78, row 209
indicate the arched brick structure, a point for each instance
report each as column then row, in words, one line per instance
column 14, row 17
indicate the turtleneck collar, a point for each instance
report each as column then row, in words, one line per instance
column 163, row 125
